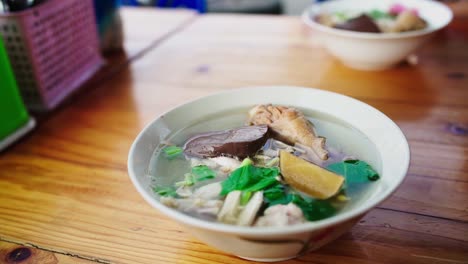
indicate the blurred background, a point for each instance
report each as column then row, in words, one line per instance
column 285, row 7
column 290, row 7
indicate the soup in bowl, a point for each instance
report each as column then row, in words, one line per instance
column 268, row 173
column 375, row 35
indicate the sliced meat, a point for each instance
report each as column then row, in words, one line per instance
column 238, row 142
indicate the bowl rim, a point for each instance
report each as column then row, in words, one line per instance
column 307, row 19
column 267, row 231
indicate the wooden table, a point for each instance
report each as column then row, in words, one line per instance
column 65, row 195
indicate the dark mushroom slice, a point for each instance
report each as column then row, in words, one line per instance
column 362, row 23
column 238, row 142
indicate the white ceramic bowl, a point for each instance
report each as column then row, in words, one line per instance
column 375, row 51
column 387, row 151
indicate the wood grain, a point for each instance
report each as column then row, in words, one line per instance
column 11, row 253
column 96, row 207
column 222, row 51
column 65, row 188
column 144, row 27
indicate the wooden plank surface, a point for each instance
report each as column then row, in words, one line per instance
column 11, row 253
column 145, row 27
column 226, row 51
column 65, row 187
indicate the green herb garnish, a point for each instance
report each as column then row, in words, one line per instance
column 203, row 172
column 172, row 152
column 165, row 191
column 199, row 173
column 379, row 14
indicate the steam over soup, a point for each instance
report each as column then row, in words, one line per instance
column 277, row 169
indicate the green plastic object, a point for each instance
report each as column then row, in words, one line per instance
column 14, row 118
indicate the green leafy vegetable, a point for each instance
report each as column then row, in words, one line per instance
column 172, row 152
column 203, row 172
column 249, row 178
column 274, row 193
column 355, row 171
column 312, row 209
column 379, row 14
column 165, row 191
column 237, row 180
column 262, row 184
column 199, row 173
column 283, row 199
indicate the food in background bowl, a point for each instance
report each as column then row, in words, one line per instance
column 397, row 18
column 372, row 51
column 274, row 172
column 349, row 125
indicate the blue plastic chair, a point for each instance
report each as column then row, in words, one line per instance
column 199, row 5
